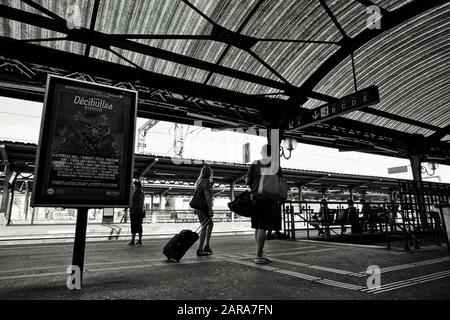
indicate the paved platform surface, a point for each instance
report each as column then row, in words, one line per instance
column 301, row 270
column 24, row 234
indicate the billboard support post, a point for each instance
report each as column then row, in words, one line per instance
column 80, row 240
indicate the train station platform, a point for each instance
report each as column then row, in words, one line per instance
column 300, row 270
column 51, row 233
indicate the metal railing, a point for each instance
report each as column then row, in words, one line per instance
column 415, row 223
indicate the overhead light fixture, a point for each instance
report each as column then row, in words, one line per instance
column 288, row 144
column 200, row 116
column 432, row 166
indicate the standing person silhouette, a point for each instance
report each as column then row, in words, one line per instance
column 262, row 221
column 326, row 218
column 137, row 213
column 204, row 184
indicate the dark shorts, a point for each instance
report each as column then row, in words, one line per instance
column 203, row 216
column 136, row 224
column 264, row 217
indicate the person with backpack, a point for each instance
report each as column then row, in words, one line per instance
column 203, row 187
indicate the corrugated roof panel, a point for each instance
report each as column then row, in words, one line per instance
column 391, row 4
column 242, row 61
column 238, row 85
column 171, row 17
column 205, row 50
column 291, row 19
column 409, row 66
column 21, row 31
column 390, row 124
column 102, row 54
column 230, row 13
column 146, row 62
column 150, row 17
column 303, row 61
column 61, row 8
column 351, row 15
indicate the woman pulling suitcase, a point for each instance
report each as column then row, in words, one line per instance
column 202, row 203
column 203, row 187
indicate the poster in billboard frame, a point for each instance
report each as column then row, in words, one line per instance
column 85, row 155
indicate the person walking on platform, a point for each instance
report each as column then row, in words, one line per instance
column 262, row 221
column 205, row 216
column 137, row 213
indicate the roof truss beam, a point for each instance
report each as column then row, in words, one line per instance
column 45, row 11
column 395, row 117
column 104, row 41
column 52, row 60
column 333, row 18
column 439, row 134
column 228, row 47
column 92, row 26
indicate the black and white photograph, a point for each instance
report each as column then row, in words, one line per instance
column 225, row 158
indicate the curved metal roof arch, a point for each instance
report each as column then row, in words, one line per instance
column 236, row 54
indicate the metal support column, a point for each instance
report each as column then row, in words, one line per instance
column 80, row 240
column 10, row 205
column 416, row 168
column 153, row 214
column 232, row 198
column 5, row 197
column 26, row 201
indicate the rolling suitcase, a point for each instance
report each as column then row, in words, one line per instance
column 177, row 247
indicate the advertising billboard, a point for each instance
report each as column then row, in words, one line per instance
column 86, row 146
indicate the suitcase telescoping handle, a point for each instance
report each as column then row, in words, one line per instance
column 202, row 225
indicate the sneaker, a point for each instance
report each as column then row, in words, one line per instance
column 262, row 260
column 139, row 243
column 131, row 244
column 208, row 250
column 201, row 253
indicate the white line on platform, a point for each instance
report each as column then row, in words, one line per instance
column 326, row 269
column 299, row 275
column 36, row 275
column 411, row 265
column 285, row 250
column 300, row 252
column 152, row 265
column 343, row 244
column 409, row 282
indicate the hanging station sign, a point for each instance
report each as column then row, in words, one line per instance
column 355, row 101
column 401, row 169
column 85, row 154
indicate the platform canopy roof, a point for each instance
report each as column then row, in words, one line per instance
column 249, row 64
